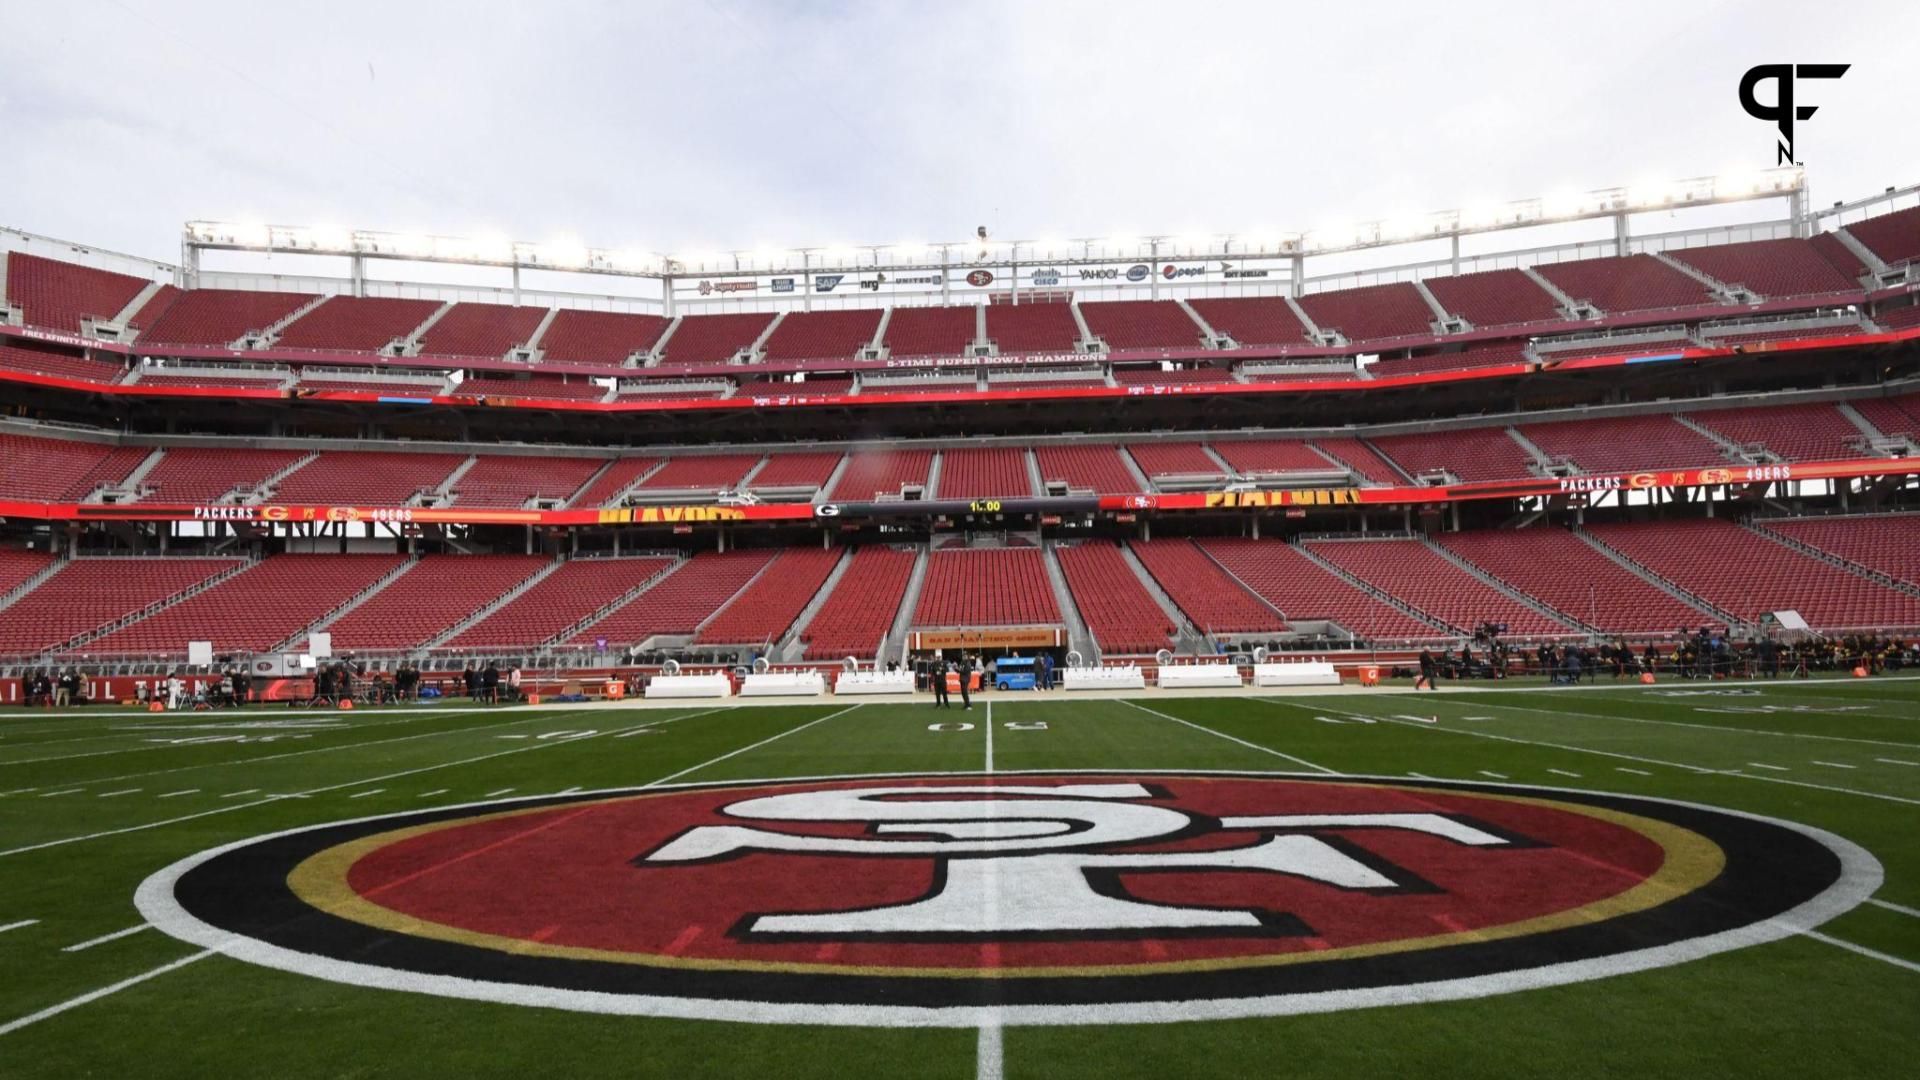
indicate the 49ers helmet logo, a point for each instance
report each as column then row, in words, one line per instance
column 1042, row 898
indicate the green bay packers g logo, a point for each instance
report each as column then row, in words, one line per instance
column 1059, row 898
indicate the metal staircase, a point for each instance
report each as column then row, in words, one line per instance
column 1079, row 638
column 1510, row 592
column 1657, row 581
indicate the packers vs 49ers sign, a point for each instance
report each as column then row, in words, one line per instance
column 1012, row 898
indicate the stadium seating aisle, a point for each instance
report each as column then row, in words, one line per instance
column 701, row 472
column 18, row 566
column 1564, row 572
column 57, row 295
column 802, row 470
column 256, row 609
column 511, row 482
column 1771, row 268
column 1888, row 543
column 986, row 587
column 1625, row 284
column 1371, row 312
column 605, row 338
column 681, row 602
column 858, row 614
column 1271, row 456
column 1363, row 459
column 1032, row 328
column 87, row 594
column 432, row 596
column 1213, row 601
column 219, row 317
column 356, row 323
column 47, row 361
column 1894, row 237
column 1468, row 453
column 1254, row 320
column 872, row 474
column 1142, row 324
column 931, row 331
column 1173, row 459
column 1624, row 443
column 1305, row 591
column 55, row 470
column 1795, row 432
column 1122, row 615
column 204, row 474
column 1086, row 466
column 982, row 473
column 762, row 612
column 366, row 477
column 1893, row 416
column 481, row 331
column 617, row 478
column 1495, row 298
column 1417, row 575
column 823, row 335
column 713, row 339
column 558, row 602
column 1735, row 570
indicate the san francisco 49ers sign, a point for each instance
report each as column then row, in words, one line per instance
column 1013, row 898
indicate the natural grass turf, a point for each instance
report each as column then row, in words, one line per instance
column 1791, row 1008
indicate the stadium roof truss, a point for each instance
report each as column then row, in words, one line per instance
column 923, row 271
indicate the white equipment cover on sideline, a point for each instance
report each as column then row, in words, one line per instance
column 1298, row 673
column 783, row 684
column 1105, row 678
column 689, row 686
column 1182, row 676
column 874, row 682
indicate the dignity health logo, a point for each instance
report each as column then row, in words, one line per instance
column 1783, row 112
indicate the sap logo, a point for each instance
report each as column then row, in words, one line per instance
column 1046, row 277
column 828, row 282
column 1171, row 271
column 1138, row 272
column 782, row 284
column 1782, row 112
column 1107, row 274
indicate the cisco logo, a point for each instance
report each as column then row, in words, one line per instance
column 1046, row 277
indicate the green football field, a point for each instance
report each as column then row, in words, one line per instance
column 93, row 804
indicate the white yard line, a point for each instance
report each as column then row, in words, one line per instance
column 1833, row 765
column 172, row 794
column 310, row 791
column 989, row 1054
column 1902, row 909
column 1895, row 761
column 104, row 938
column 1572, row 715
column 989, row 737
column 22, row 924
column 1700, row 769
column 436, row 791
column 1861, row 950
column 744, row 749
column 1563, row 772
column 74, row 1003
column 1242, row 742
column 1636, row 772
column 1764, row 765
column 502, row 791
column 237, row 794
column 68, row 791
column 122, row 791
column 364, row 794
column 1495, row 775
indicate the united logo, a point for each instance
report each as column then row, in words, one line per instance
column 1056, row 898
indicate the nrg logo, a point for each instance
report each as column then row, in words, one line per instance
column 1782, row 112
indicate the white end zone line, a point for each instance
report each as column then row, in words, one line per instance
column 989, row 1053
column 989, row 767
column 104, row 938
column 1861, row 950
column 744, row 749
column 1242, row 742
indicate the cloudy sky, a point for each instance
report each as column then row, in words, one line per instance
column 715, row 124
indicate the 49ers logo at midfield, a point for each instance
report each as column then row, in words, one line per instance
column 1057, row 898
